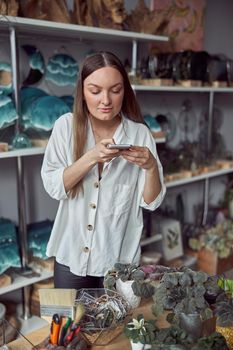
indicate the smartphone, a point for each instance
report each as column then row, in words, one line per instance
column 119, row 146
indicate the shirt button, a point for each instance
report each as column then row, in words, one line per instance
column 86, row 249
column 89, row 227
column 93, row 206
column 96, row 184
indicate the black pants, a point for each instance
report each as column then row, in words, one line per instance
column 63, row 278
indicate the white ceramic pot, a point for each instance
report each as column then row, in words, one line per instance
column 125, row 289
column 139, row 346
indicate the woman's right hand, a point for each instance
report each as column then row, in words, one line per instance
column 101, row 154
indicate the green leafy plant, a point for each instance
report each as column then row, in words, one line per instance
column 215, row 341
column 184, row 291
column 141, row 286
column 224, row 313
column 226, row 284
column 171, row 338
column 174, row 338
column 140, row 330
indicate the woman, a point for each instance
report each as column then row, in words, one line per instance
column 101, row 191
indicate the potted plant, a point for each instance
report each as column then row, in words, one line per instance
column 140, row 332
column 224, row 310
column 130, row 281
column 214, row 247
column 183, row 293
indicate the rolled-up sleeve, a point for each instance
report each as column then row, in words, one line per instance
column 55, row 162
column 150, row 142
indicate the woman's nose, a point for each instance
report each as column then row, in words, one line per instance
column 105, row 98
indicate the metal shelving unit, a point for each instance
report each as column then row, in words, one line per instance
column 211, row 91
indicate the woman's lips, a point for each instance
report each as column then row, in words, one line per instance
column 105, row 110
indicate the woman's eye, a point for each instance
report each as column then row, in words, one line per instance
column 95, row 92
column 116, row 91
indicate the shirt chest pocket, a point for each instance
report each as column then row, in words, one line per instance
column 116, row 200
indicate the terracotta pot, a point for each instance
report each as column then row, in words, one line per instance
column 125, row 289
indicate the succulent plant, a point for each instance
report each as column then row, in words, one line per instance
column 218, row 238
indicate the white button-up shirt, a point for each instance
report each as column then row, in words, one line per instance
column 103, row 224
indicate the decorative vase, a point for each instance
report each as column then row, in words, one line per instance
column 139, row 346
column 227, row 332
column 125, row 289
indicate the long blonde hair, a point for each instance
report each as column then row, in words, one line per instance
column 130, row 107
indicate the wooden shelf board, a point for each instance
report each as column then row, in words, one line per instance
column 20, row 281
column 32, row 151
column 34, row 26
column 188, row 180
column 182, row 88
column 155, row 238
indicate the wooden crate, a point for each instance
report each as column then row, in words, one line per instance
column 209, row 262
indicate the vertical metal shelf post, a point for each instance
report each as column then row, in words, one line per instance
column 20, row 172
column 209, row 144
column 134, row 58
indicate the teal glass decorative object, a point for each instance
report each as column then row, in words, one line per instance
column 152, row 123
column 5, row 78
column 69, row 100
column 28, row 95
column 36, row 63
column 9, row 249
column 46, row 110
column 21, row 140
column 39, row 110
column 38, row 237
column 62, row 70
column 8, row 113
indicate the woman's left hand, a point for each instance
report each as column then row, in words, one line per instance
column 140, row 156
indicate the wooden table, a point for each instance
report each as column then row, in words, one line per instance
column 121, row 342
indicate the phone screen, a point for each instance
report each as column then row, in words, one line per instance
column 119, row 146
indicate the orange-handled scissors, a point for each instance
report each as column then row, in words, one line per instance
column 55, row 329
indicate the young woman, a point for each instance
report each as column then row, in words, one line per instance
column 101, row 190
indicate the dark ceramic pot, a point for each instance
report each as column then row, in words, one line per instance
column 191, row 324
